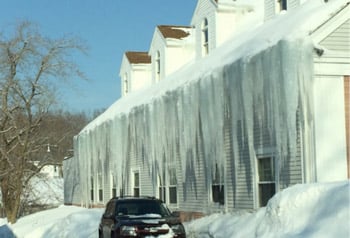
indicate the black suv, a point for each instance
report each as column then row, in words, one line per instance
column 139, row 217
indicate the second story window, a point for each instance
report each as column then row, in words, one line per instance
column 126, row 84
column 157, row 66
column 205, row 38
column 281, row 5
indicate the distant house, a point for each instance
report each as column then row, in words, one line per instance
column 239, row 106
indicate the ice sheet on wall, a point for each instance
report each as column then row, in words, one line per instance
column 274, row 85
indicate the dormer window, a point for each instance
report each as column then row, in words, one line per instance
column 205, row 38
column 157, row 66
column 126, row 84
column 281, row 5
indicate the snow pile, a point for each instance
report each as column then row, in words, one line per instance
column 308, row 210
column 65, row 221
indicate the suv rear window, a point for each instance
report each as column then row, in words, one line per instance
column 141, row 207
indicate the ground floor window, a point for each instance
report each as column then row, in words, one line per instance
column 162, row 189
column 100, row 188
column 172, row 186
column 267, row 184
column 136, row 184
column 114, row 185
column 92, row 188
column 217, row 188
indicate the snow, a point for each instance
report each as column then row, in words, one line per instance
column 307, row 210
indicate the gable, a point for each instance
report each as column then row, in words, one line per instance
column 334, row 34
column 203, row 8
column 339, row 39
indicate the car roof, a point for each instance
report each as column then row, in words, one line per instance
column 144, row 198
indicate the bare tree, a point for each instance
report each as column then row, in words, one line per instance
column 30, row 66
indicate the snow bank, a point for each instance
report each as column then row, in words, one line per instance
column 308, row 210
column 65, row 221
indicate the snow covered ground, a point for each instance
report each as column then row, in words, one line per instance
column 308, row 210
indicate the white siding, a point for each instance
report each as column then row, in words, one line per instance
column 339, row 39
column 330, row 128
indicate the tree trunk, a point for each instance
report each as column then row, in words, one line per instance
column 11, row 195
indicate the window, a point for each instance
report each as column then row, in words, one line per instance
column 172, row 186
column 281, row 5
column 205, row 38
column 92, row 188
column 157, row 66
column 114, row 186
column 218, row 189
column 266, row 180
column 162, row 189
column 126, row 84
column 136, row 184
column 100, row 187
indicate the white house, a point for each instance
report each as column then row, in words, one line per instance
column 266, row 108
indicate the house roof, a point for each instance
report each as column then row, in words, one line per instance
column 176, row 32
column 138, row 57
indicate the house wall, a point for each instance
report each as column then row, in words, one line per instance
column 195, row 128
column 332, row 66
column 140, row 77
column 329, row 128
column 178, row 53
column 226, row 22
column 72, row 192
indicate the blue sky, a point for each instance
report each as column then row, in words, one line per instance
column 109, row 28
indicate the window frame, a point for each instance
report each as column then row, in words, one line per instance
column 92, row 191
column 172, row 186
column 281, row 5
column 100, row 186
column 205, row 37
column 113, row 185
column 136, row 183
column 266, row 182
column 126, row 83
column 157, row 69
column 217, row 187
